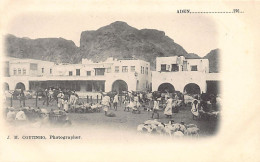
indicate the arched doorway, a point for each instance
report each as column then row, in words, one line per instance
column 6, row 86
column 166, row 87
column 20, row 86
column 192, row 88
column 119, row 86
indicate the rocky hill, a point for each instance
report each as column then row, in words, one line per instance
column 49, row 49
column 120, row 40
column 214, row 60
column 117, row 40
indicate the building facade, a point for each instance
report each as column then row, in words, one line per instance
column 180, row 74
column 87, row 77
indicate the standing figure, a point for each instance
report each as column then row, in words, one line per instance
column 73, row 99
column 218, row 103
column 156, row 107
column 22, row 98
column 50, row 95
column 106, row 103
column 141, row 97
column 66, row 105
column 46, row 97
column 168, row 109
column 167, row 95
column 60, row 100
column 195, row 109
column 55, row 94
column 136, row 100
column 150, row 100
column 115, row 101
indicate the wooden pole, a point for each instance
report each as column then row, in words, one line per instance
column 36, row 99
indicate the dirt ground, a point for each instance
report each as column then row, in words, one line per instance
column 124, row 120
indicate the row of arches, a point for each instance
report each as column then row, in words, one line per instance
column 190, row 88
column 19, row 85
column 120, row 85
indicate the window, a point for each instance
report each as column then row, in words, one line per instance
column 175, row 67
column 116, row 69
column 50, row 71
column 78, row 72
column 88, row 73
column 141, row 70
column 163, row 67
column 19, row 71
column 24, row 71
column 124, row 69
column 194, row 68
column 109, row 70
column 15, row 71
column 70, row 73
column 42, row 70
column 146, row 70
column 100, row 71
column 132, row 68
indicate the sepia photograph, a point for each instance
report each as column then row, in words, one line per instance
column 92, row 75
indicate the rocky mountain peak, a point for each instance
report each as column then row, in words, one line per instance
column 118, row 40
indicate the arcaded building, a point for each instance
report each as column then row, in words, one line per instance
column 177, row 73
column 87, row 77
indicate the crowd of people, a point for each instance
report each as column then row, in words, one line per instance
column 65, row 98
column 168, row 103
column 149, row 101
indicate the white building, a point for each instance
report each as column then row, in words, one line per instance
column 18, row 72
column 180, row 74
column 87, row 77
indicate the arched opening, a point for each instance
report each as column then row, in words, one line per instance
column 6, row 86
column 20, row 86
column 166, row 87
column 192, row 88
column 119, row 86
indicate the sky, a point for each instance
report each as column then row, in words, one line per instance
column 195, row 33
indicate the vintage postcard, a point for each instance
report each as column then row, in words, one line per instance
column 129, row 81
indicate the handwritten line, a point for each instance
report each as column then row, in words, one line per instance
column 210, row 12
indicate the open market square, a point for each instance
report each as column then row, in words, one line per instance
column 124, row 119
